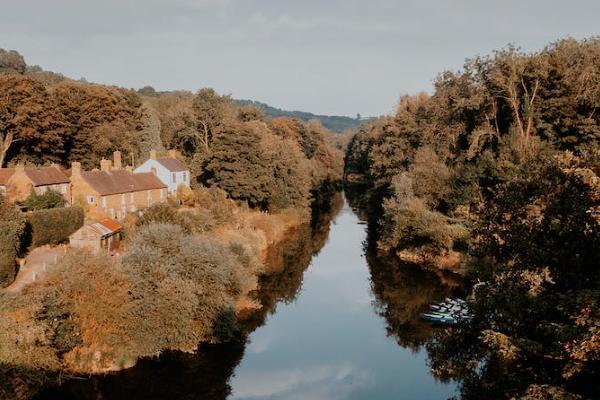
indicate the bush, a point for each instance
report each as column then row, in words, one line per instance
column 164, row 213
column 48, row 200
column 52, row 226
column 11, row 228
column 182, row 284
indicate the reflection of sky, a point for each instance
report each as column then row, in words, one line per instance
column 329, row 343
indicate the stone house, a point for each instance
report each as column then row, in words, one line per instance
column 115, row 191
column 17, row 183
column 171, row 171
column 102, row 235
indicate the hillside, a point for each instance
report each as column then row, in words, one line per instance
column 334, row 123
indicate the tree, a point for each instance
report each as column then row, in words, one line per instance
column 47, row 200
column 210, row 110
column 28, row 123
column 12, row 61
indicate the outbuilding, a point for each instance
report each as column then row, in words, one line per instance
column 96, row 236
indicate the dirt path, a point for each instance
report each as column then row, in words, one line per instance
column 37, row 263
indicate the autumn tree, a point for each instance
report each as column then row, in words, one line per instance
column 12, row 61
column 29, row 124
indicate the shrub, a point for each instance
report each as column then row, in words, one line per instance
column 164, row 213
column 185, row 195
column 48, row 200
column 182, row 284
column 52, row 226
column 11, row 228
column 408, row 223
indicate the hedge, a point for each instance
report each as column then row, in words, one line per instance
column 51, row 226
column 12, row 223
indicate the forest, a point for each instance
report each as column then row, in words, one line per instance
column 495, row 176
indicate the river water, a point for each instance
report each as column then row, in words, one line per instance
column 341, row 325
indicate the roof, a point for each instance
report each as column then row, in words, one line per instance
column 122, row 181
column 172, row 164
column 5, row 174
column 105, row 227
column 41, row 176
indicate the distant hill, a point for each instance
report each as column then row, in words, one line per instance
column 332, row 122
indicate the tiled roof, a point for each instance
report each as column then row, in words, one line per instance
column 172, row 164
column 5, row 174
column 122, row 181
column 41, row 176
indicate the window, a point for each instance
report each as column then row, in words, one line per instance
column 122, row 198
column 43, row 189
column 162, row 193
column 174, row 177
column 63, row 188
column 131, row 198
column 103, row 201
column 90, row 199
column 184, row 175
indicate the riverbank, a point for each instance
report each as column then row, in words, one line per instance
column 94, row 314
column 333, row 324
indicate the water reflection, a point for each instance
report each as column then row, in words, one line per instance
column 337, row 323
column 402, row 292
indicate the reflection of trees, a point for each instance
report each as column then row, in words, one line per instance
column 175, row 376
column 206, row 374
column 401, row 294
column 290, row 259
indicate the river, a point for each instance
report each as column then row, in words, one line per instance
column 342, row 326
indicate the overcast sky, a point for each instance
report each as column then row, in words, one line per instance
column 324, row 56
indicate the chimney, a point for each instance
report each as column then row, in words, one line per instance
column 75, row 168
column 117, row 160
column 173, row 153
column 153, row 154
column 105, row 165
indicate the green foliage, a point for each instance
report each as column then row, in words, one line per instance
column 164, row 213
column 409, row 224
column 11, row 229
column 336, row 124
column 509, row 147
column 49, row 199
column 53, row 226
column 182, row 284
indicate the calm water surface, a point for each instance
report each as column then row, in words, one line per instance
column 346, row 327
column 331, row 343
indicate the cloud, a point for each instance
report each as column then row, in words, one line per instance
column 312, row 382
column 335, row 56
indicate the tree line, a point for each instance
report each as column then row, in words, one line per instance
column 269, row 163
column 496, row 176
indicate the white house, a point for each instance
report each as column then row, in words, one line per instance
column 169, row 170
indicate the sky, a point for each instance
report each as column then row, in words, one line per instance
column 338, row 57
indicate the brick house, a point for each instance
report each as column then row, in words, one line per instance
column 171, row 171
column 102, row 235
column 115, row 191
column 18, row 182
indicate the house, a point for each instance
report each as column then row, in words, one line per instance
column 114, row 191
column 169, row 170
column 102, row 235
column 18, row 182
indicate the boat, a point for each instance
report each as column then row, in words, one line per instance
column 448, row 312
